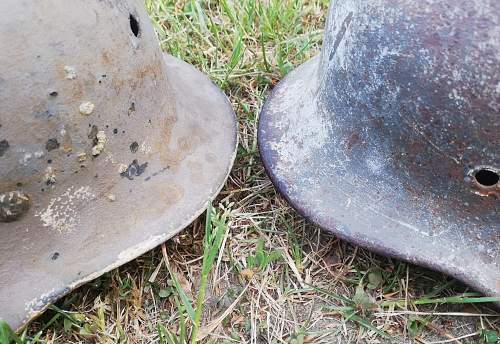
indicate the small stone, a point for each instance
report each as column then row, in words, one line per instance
column 97, row 149
column 82, row 157
column 101, row 140
column 13, row 205
column 111, row 197
column 101, row 137
column 86, row 108
column 122, row 168
column 70, row 72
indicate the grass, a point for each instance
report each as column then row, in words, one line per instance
column 253, row 271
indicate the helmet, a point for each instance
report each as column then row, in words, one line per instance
column 107, row 146
column 390, row 137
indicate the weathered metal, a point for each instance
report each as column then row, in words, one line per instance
column 390, row 137
column 107, row 146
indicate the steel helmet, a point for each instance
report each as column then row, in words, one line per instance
column 107, row 146
column 390, row 137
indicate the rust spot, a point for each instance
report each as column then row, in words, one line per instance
column 352, row 141
column 105, row 57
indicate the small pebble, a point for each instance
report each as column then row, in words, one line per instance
column 13, row 205
column 97, row 149
column 122, row 168
column 86, row 108
column 101, row 141
column 82, row 157
column 101, row 136
column 111, row 197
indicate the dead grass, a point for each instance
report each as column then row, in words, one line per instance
column 278, row 278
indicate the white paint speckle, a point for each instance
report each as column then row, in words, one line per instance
column 39, row 154
column 38, row 303
column 70, row 72
column 145, row 148
column 302, row 134
column 62, row 213
column 375, row 164
column 26, row 158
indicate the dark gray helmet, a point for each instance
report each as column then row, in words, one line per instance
column 107, row 146
column 391, row 137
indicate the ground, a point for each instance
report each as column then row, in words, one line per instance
column 276, row 278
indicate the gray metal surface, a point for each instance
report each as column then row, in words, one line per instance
column 390, row 138
column 107, row 146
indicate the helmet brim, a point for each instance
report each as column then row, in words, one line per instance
column 122, row 216
column 313, row 164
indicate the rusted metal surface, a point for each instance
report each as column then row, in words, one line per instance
column 390, row 138
column 107, row 146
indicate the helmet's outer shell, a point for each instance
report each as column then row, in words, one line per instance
column 165, row 137
column 378, row 138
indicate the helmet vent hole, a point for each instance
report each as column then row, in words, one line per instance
column 487, row 177
column 134, row 25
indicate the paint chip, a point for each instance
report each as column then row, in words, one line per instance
column 134, row 170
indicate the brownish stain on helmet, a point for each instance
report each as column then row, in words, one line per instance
column 107, row 146
column 390, row 138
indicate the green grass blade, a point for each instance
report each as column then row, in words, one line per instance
column 212, row 243
column 459, row 299
column 184, row 298
column 7, row 336
column 365, row 323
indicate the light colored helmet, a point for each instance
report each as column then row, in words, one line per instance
column 107, row 146
column 391, row 137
